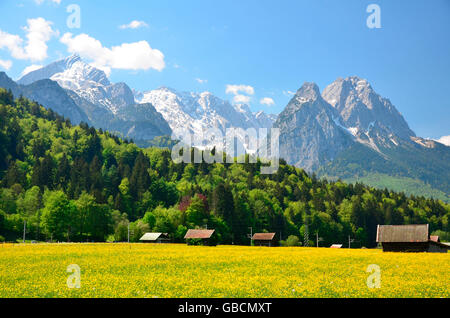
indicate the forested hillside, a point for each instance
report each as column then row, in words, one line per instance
column 411, row 168
column 76, row 183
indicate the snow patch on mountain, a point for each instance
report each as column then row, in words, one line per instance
column 445, row 140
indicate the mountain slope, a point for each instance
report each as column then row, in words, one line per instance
column 141, row 121
column 87, row 81
column 360, row 108
column 49, row 93
column 309, row 134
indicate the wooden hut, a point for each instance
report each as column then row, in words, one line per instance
column 263, row 239
column 205, row 237
column 155, row 238
column 409, row 238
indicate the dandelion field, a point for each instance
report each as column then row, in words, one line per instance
column 167, row 271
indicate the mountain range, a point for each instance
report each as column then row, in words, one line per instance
column 347, row 131
column 104, row 104
column 201, row 111
column 141, row 115
column 196, row 113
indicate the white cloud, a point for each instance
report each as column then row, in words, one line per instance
column 444, row 140
column 267, row 101
column 5, row 64
column 236, row 89
column 288, row 93
column 241, row 99
column 38, row 32
column 30, row 69
column 241, row 93
column 134, row 25
column 201, row 81
column 127, row 56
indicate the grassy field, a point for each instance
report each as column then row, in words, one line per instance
column 137, row 270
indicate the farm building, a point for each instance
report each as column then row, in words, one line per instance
column 263, row 239
column 336, row 246
column 409, row 238
column 155, row 238
column 206, row 237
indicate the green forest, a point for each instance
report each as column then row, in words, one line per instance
column 411, row 168
column 71, row 183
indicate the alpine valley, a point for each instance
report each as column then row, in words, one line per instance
column 347, row 131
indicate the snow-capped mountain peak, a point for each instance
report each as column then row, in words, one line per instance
column 48, row 71
column 361, row 107
column 88, row 82
column 80, row 75
column 199, row 112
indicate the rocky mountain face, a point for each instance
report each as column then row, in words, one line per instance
column 48, row 93
column 141, row 121
column 198, row 112
column 265, row 120
column 350, row 132
column 309, row 133
column 365, row 113
column 321, row 125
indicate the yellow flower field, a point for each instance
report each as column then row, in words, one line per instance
column 139, row 270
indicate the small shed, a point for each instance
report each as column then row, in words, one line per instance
column 206, row 237
column 336, row 246
column 155, row 238
column 263, row 239
column 409, row 238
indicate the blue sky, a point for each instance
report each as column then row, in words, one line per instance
column 271, row 47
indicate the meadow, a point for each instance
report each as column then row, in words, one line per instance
column 140, row 270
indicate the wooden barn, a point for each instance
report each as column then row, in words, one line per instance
column 409, row 238
column 263, row 239
column 155, row 238
column 206, row 237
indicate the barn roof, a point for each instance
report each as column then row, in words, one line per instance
column 336, row 246
column 263, row 236
column 199, row 234
column 150, row 236
column 402, row 233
